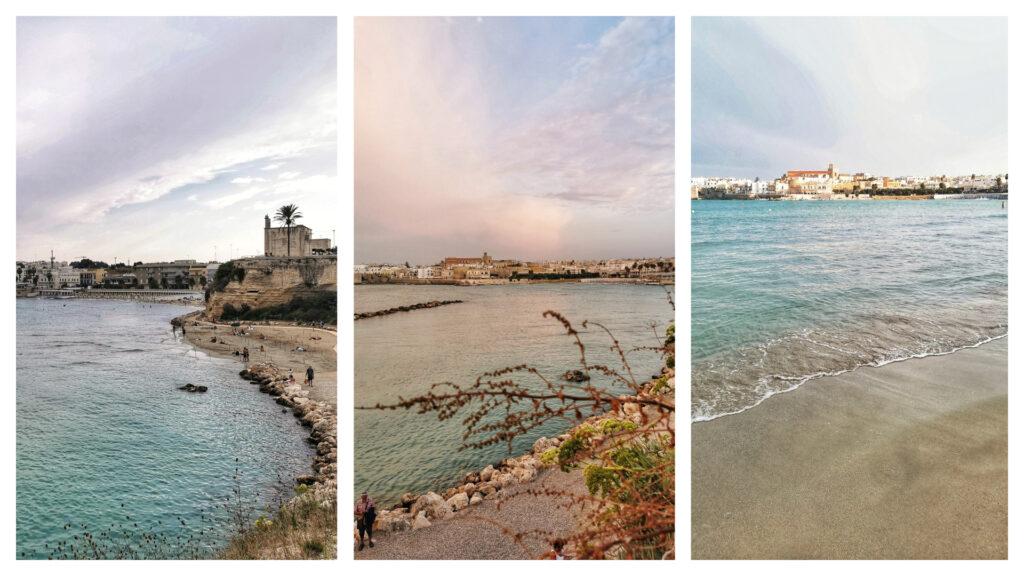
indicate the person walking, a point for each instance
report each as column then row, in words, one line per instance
column 366, row 514
column 309, row 376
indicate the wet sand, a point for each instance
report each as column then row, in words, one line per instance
column 908, row 460
column 279, row 347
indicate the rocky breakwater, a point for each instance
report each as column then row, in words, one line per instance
column 420, row 306
column 320, row 417
column 421, row 511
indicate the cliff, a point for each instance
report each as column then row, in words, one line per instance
column 272, row 281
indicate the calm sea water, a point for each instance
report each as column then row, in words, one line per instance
column 101, row 424
column 495, row 326
column 786, row 292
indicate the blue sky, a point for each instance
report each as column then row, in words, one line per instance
column 527, row 138
column 887, row 96
column 163, row 138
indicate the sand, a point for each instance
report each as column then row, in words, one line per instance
column 466, row 537
column 907, row 460
column 279, row 348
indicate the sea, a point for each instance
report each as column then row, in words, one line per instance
column 107, row 443
column 403, row 354
column 784, row 293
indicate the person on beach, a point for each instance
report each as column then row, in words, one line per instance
column 366, row 513
column 245, row 353
column 309, row 376
column 290, row 374
column 291, row 380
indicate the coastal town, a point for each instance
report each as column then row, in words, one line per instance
column 87, row 277
column 831, row 184
column 489, row 270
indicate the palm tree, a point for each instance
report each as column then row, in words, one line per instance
column 287, row 215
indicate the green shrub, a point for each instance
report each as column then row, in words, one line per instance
column 613, row 426
column 313, row 548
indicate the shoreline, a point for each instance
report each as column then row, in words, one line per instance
column 812, row 377
column 435, row 526
column 315, row 407
column 905, row 460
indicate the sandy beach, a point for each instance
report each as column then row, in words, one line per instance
column 908, row 460
column 280, row 343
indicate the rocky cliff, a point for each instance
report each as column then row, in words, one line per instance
column 271, row 281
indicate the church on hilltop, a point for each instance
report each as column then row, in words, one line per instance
column 276, row 241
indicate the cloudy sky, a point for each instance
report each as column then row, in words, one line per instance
column 527, row 138
column 889, row 96
column 158, row 139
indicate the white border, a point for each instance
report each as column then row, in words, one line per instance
column 345, row 160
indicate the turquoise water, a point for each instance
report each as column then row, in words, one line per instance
column 786, row 292
column 101, row 424
column 495, row 327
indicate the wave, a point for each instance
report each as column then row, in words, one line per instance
column 801, row 380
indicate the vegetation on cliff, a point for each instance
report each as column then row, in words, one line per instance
column 322, row 305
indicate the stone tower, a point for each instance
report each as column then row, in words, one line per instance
column 266, row 235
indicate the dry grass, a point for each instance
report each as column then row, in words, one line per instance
column 306, row 530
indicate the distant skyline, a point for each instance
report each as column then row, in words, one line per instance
column 160, row 138
column 888, row 96
column 531, row 138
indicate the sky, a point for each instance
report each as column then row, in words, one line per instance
column 885, row 96
column 526, row 138
column 155, row 139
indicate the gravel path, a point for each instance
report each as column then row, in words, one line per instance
column 467, row 538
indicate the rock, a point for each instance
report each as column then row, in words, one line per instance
column 458, row 501
column 491, row 496
column 486, row 489
column 541, row 445
column 420, row 521
column 408, row 499
column 305, row 479
column 506, row 480
column 468, row 489
column 391, row 522
column 476, row 499
column 471, row 478
column 575, row 376
column 432, row 505
column 449, row 493
column 524, row 475
column 486, row 474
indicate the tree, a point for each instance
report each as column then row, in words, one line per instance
column 874, row 186
column 287, row 215
column 163, row 282
column 152, row 283
column 202, row 281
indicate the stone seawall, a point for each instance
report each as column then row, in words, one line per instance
column 320, row 417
